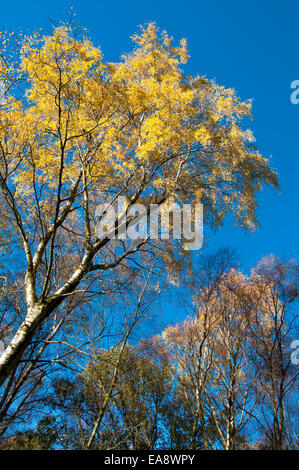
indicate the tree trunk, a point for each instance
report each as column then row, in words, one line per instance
column 14, row 351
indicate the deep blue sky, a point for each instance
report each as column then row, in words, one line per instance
column 251, row 46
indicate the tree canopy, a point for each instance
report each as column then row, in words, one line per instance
column 76, row 132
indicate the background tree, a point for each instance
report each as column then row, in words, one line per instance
column 272, row 330
column 220, row 379
column 131, row 413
